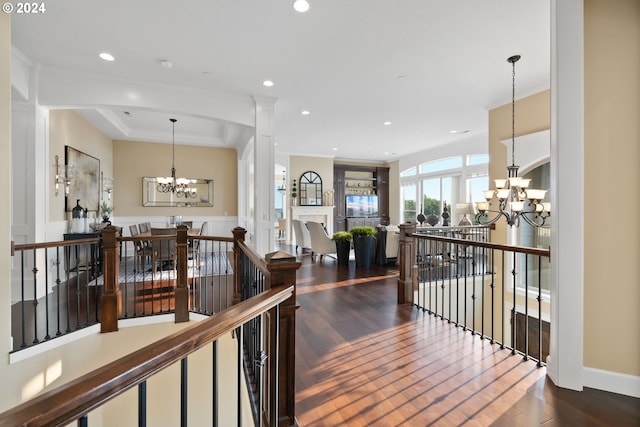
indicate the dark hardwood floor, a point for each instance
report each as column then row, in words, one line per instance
column 364, row 360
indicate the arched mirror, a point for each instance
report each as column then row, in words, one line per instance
column 310, row 189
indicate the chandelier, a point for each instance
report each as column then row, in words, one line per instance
column 282, row 189
column 170, row 184
column 515, row 199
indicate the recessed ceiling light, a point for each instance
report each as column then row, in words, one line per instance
column 334, row 149
column 301, row 6
column 107, row 56
column 267, row 83
column 458, row 132
column 166, row 64
column 387, row 123
column 305, row 113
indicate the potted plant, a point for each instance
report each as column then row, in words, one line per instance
column 343, row 246
column 363, row 244
column 105, row 211
column 294, row 194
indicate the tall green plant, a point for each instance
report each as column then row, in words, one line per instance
column 363, row 230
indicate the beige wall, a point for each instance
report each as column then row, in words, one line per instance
column 68, row 128
column 323, row 166
column 612, row 185
column 134, row 160
column 533, row 114
column 612, row 153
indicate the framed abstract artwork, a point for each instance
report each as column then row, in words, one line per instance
column 85, row 186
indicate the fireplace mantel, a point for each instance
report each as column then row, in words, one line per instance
column 322, row 214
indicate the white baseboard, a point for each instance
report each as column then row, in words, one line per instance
column 614, row 382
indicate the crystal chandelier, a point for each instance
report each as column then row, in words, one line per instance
column 515, row 199
column 170, row 184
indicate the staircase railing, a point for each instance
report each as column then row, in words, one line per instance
column 266, row 344
column 493, row 290
column 74, row 400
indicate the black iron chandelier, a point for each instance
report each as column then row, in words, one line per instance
column 515, row 199
column 181, row 187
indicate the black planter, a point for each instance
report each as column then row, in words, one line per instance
column 343, row 248
column 363, row 248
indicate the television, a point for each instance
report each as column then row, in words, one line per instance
column 359, row 205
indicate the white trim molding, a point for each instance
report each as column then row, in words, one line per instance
column 614, row 382
column 565, row 366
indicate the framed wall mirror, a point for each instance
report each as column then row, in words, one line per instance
column 310, row 189
column 199, row 193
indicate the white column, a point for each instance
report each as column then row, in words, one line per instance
column 5, row 187
column 264, row 162
column 565, row 364
column 31, row 178
column 245, row 192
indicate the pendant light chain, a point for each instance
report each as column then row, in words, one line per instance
column 173, row 150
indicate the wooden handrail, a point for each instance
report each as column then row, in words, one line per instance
column 29, row 246
column 69, row 402
column 488, row 245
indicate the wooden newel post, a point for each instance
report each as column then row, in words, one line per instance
column 406, row 261
column 238, row 236
column 283, row 268
column 182, row 290
column 110, row 300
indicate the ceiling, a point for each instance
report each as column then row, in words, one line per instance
column 427, row 66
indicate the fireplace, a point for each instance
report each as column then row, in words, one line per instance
column 323, row 214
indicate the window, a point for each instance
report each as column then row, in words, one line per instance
column 477, row 159
column 409, row 202
column 459, row 179
column 441, row 165
column 408, row 172
column 278, row 199
column 475, row 186
column 536, row 237
column 435, row 193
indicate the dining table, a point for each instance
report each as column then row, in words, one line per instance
column 192, row 232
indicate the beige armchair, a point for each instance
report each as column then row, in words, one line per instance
column 303, row 239
column 321, row 243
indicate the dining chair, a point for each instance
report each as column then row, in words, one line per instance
column 282, row 228
column 163, row 250
column 144, row 227
column 143, row 251
column 194, row 249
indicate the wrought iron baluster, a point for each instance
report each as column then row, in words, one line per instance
column 142, row 404
column 34, row 270
column 47, row 336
